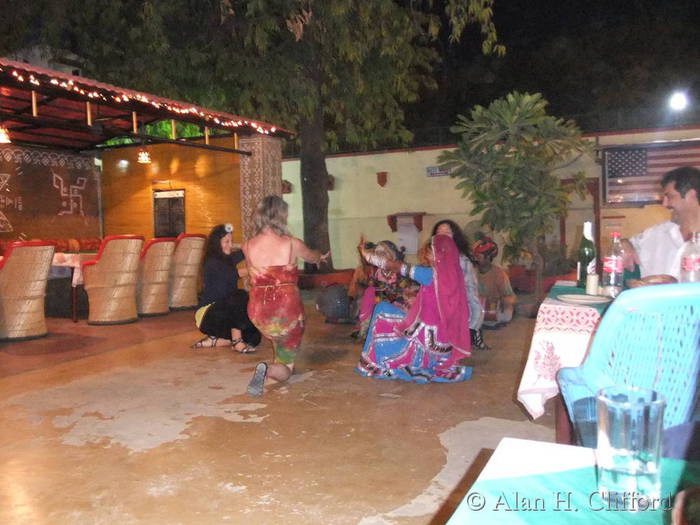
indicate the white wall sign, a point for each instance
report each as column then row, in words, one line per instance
column 168, row 194
column 436, row 171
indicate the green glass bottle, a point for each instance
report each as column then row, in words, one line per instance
column 586, row 255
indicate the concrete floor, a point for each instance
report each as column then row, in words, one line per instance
column 128, row 425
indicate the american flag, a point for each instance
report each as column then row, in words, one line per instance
column 634, row 174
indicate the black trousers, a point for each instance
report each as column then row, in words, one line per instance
column 223, row 316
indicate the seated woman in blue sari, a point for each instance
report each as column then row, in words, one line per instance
column 426, row 343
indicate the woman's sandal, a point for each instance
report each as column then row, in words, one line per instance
column 206, row 342
column 256, row 387
column 247, row 349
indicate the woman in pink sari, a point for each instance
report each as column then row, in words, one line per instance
column 427, row 343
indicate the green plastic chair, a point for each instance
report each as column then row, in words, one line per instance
column 648, row 338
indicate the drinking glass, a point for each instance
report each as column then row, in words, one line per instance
column 629, row 445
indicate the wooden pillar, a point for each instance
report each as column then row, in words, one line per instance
column 261, row 174
column 35, row 109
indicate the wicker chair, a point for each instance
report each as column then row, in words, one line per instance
column 23, row 274
column 154, row 277
column 649, row 338
column 110, row 280
column 184, row 276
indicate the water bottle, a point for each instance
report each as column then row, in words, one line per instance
column 613, row 268
column 586, row 256
column 690, row 260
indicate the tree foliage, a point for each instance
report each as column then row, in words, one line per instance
column 337, row 71
column 508, row 160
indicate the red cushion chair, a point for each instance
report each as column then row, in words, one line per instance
column 24, row 271
column 5, row 244
column 110, row 280
column 187, row 264
column 154, row 276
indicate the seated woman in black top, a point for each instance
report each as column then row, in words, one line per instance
column 223, row 311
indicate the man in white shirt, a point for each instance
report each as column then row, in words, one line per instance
column 658, row 249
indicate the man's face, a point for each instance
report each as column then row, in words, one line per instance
column 678, row 205
column 481, row 260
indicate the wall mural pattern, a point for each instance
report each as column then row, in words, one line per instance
column 47, row 194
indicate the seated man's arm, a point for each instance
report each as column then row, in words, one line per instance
column 630, row 257
column 508, row 297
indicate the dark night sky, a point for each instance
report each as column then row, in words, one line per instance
column 607, row 63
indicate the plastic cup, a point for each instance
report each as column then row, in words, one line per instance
column 630, row 422
column 592, row 284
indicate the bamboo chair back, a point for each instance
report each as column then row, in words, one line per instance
column 187, row 265
column 110, row 280
column 24, row 271
column 154, row 276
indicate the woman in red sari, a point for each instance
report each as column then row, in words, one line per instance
column 274, row 303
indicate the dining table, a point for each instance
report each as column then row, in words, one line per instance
column 66, row 264
column 566, row 321
column 535, row 482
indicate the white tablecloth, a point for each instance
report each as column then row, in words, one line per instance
column 562, row 334
column 66, row 262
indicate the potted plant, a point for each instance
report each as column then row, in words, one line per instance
column 508, row 160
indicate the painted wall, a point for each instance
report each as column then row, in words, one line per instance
column 358, row 205
column 47, row 194
column 211, row 181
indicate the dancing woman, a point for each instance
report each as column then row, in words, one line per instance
column 380, row 285
column 427, row 343
column 275, row 305
column 471, row 282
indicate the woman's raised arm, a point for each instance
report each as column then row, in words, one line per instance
column 301, row 250
column 378, row 261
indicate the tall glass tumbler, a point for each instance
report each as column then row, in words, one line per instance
column 630, row 422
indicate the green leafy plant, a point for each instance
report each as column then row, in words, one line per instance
column 508, row 160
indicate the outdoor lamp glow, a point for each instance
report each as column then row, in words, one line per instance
column 143, row 156
column 678, row 101
column 4, row 136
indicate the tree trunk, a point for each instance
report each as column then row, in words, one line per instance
column 536, row 250
column 314, row 187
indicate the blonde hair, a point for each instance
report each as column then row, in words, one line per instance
column 271, row 213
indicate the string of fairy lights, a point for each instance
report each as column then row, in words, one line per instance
column 112, row 94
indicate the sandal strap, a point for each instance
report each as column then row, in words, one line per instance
column 200, row 343
column 247, row 349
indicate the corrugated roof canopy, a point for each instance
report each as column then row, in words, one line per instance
column 43, row 107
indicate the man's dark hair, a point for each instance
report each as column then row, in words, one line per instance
column 685, row 178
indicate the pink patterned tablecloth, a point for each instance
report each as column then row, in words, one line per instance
column 561, row 338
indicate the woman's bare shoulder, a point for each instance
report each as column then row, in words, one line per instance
column 268, row 249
